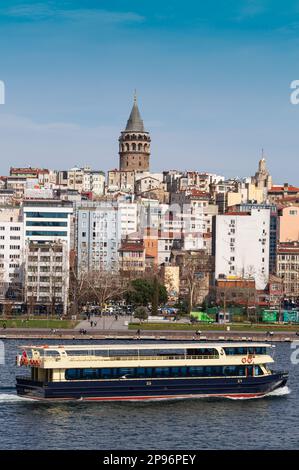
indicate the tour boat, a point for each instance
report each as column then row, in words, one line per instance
column 114, row 372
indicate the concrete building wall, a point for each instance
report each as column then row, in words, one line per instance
column 242, row 246
column 11, row 253
column 97, row 238
column 289, row 224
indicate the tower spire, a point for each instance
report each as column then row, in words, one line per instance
column 135, row 123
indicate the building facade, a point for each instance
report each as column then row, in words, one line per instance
column 11, row 254
column 47, row 235
column 241, row 246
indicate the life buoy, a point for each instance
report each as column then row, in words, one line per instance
column 249, row 360
column 244, row 360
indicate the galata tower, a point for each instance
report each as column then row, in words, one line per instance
column 134, row 143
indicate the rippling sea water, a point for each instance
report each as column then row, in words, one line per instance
column 265, row 423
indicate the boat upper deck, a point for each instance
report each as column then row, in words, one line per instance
column 138, row 346
column 137, row 355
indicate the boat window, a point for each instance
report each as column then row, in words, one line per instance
column 106, row 373
column 202, row 352
column 124, row 372
column 249, row 370
column 229, row 351
column 234, row 351
column 260, row 350
column 230, row 370
column 258, row 370
column 141, row 372
column 123, row 352
column 175, row 371
column 72, row 374
column 159, row 372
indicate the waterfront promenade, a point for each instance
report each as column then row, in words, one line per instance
column 97, row 334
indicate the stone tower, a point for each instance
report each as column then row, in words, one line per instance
column 262, row 178
column 134, row 143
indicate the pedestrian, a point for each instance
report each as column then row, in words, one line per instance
column 95, row 323
column 91, row 323
column 138, row 333
column 4, row 326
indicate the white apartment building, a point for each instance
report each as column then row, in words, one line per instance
column 47, row 234
column 97, row 237
column 127, row 219
column 100, row 228
column 11, row 253
column 241, row 245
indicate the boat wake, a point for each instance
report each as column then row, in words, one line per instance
column 279, row 392
column 11, row 398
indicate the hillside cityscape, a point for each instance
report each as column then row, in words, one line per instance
column 79, row 236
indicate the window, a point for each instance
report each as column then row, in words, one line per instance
column 48, row 215
column 37, row 233
column 29, row 223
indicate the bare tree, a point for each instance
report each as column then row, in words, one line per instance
column 97, row 286
column 104, row 286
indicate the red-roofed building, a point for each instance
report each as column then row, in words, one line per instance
column 132, row 256
column 281, row 192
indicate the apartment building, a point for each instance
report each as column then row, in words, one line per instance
column 11, row 254
column 241, row 245
column 47, row 235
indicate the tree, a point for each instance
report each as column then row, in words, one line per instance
column 141, row 313
column 155, row 296
column 103, row 286
column 145, row 291
column 97, row 287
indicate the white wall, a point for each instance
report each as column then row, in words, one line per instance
column 242, row 246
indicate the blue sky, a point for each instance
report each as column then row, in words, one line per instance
column 212, row 78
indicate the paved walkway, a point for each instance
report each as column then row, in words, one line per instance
column 105, row 323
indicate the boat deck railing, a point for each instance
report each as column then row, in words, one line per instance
column 130, row 358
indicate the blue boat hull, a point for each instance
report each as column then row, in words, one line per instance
column 149, row 389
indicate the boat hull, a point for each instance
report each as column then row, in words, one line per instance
column 152, row 389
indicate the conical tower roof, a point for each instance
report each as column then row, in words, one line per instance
column 135, row 123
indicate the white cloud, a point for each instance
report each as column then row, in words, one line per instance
column 40, row 11
column 250, row 9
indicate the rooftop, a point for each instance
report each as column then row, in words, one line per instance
column 135, row 123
